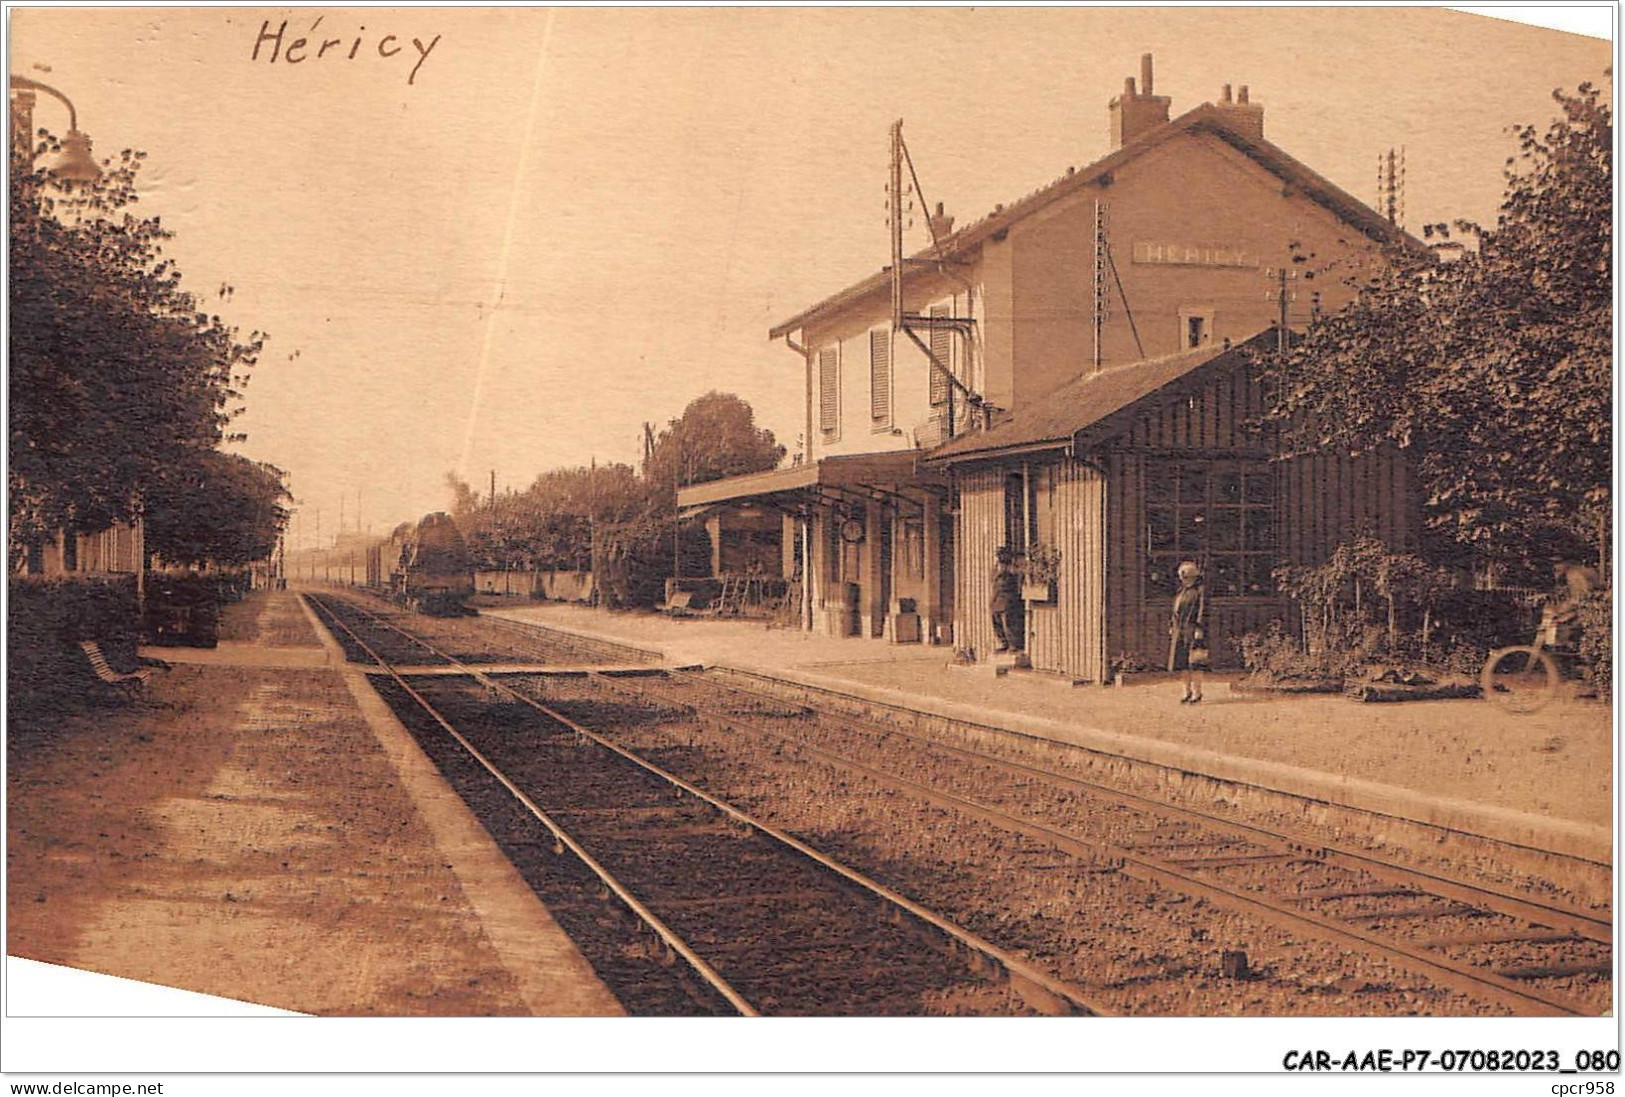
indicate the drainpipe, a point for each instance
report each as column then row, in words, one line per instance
column 807, row 458
column 806, row 361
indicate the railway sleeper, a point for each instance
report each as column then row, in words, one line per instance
column 1556, row 971
column 1450, row 910
column 1514, row 937
column 1235, row 862
column 1329, row 894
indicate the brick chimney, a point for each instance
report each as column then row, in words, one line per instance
column 1135, row 112
column 1241, row 114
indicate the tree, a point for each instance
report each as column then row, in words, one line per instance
column 715, row 437
column 221, row 508
column 117, row 375
column 608, row 517
column 1492, row 366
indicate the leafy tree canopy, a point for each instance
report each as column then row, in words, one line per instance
column 715, row 437
column 117, row 374
column 218, row 507
column 1492, row 364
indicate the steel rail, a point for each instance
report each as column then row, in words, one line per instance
column 1582, row 923
column 1170, row 875
column 560, row 835
column 524, row 627
column 1023, row 977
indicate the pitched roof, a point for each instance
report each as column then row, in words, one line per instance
column 1206, row 118
column 1053, row 420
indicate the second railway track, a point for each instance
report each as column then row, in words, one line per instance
column 1340, row 931
column 760, row 922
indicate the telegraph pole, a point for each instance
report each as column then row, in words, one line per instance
column 1282, row 298
column 897, row 224
column 1098, row 283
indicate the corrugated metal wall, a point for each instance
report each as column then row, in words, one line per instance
column 1320, row 501
column 1068, row 636
column 1329, row 498
column 978, row 533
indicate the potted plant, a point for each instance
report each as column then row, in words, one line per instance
column 1127, row 663
column 1040, row 572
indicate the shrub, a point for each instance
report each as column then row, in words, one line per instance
column 1483, row 619
column 46, row 619
column 1276, row 655
column 1595, row 616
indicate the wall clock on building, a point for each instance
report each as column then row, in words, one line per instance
column 851, row 531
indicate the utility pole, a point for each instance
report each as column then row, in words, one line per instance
column 676, row 522
column 1282, row 297
column 493, row 496
column 1098, row 283
column 1391, row 185
column 896, row 189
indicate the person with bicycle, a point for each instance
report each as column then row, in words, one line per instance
column 1575, row 583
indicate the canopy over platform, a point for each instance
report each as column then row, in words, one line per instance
column 862, row 477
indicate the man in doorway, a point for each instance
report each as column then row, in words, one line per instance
column 1006, row 603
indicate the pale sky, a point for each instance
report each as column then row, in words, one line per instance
column 573, row 221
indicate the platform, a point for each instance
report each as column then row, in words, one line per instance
column 1541, row 781
column 262, row 828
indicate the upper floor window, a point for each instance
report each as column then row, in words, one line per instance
column 829, row 390
column 1195, row 327
column 880, row 378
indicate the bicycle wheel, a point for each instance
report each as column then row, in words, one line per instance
column 1520, row 679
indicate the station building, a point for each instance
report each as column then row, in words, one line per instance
column 1082, row 384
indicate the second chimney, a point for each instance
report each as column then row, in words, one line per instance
column 1136, row 111
column 1242, row 115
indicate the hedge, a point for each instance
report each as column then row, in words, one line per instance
column 47, row 618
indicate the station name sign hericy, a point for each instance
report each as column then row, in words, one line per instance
column 1182, row 255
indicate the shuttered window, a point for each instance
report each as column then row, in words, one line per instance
column 829, row 390
column 880, row 378
column 942, row 351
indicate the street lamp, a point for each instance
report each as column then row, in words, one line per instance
column 75, row 165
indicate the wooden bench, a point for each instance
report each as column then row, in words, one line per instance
column 131, row 683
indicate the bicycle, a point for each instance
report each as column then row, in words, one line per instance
column 1527, row 677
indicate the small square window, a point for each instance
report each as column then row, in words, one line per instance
column 1195, row 327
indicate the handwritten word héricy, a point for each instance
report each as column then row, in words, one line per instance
column 295, row 50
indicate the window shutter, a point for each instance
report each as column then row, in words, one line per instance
column 942, row 351
column 829, row 391
column 880, row 377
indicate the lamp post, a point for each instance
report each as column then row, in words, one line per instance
column 75, row 165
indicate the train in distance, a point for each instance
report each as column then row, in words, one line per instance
column 426, row 567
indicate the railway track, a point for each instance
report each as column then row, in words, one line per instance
column 1502, row 951
column 1525, row 955
column 759, row 921
column 1491, row 945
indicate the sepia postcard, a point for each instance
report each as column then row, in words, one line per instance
column 549, row 517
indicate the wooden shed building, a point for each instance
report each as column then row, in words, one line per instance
column 1122, row 474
